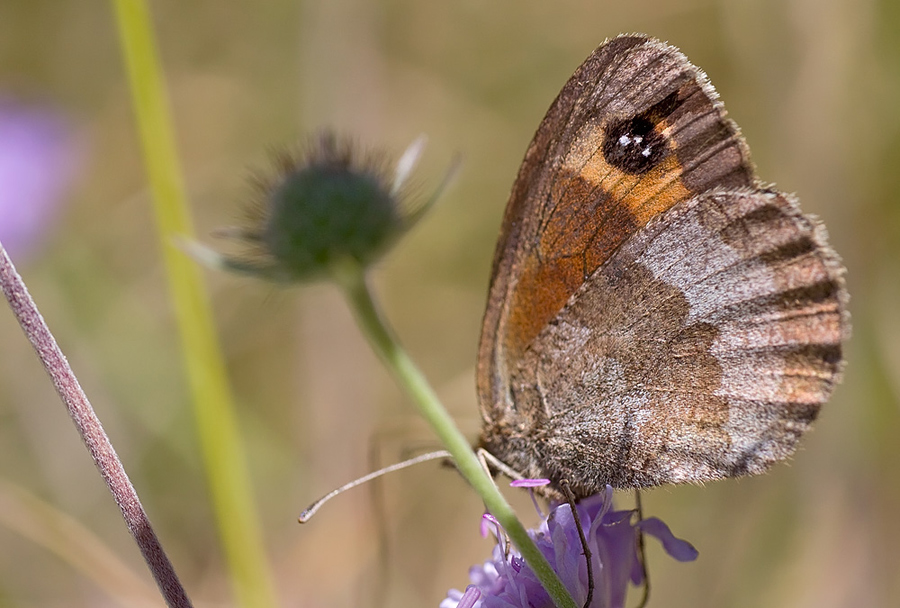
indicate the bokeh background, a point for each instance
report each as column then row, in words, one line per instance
column 815, row 85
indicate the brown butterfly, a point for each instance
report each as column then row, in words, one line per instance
column 656, row 314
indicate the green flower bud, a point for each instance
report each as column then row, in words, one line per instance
column 327, row 206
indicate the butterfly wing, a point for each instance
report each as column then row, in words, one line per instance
column 703, row 348
column 634, row 139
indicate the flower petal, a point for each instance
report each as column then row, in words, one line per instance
column 529, row 483
column 38, row 161
column 681, row 550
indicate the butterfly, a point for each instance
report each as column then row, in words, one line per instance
column 656, row 314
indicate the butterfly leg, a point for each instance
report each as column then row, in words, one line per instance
column 488, row 460
column 570, row 498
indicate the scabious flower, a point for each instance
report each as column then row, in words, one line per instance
column 325, row 205
column 38, row 161
column 506, row 581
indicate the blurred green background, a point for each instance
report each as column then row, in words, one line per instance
column 815, row 86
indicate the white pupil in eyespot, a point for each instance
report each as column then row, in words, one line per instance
column 637, row 140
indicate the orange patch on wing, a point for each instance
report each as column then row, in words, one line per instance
column 596, row 208
column 644, row 195
column 541, row 292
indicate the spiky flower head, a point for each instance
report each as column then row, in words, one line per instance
column 327, row 204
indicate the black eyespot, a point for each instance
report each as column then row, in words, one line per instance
column 632, row 145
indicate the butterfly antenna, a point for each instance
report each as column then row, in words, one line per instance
column 311, row 510
column 570, row 498
column 642, row 555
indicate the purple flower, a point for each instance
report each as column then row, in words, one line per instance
column 506, row 581
column 38, row 160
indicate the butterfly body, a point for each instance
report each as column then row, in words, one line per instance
column 656, row 315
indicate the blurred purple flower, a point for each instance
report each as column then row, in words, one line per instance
column 507, row 582
column 38, row 161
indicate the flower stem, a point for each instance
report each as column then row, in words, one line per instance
column 351, row 278
column 231, row 490
column 91, row 431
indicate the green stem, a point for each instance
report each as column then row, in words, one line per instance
column 352, row 280
column 217, row 424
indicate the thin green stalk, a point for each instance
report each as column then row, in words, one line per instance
column 217, row 424
column 352, row 280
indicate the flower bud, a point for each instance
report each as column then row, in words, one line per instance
column 328, row 205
